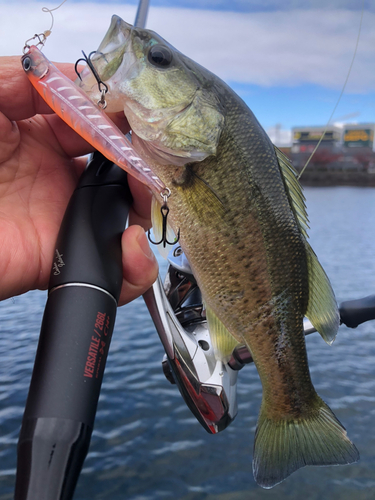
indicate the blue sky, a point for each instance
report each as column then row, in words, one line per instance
column 287, row 59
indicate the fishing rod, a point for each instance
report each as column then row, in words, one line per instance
column 78, row 321
column 141, row 15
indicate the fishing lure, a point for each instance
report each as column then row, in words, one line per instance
column 73, row 106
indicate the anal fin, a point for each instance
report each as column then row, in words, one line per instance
column 222, row 341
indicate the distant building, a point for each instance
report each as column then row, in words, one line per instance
column 350, row 147
column 306, row 138
column 359, row 136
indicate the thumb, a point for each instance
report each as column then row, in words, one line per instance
column 139, row 265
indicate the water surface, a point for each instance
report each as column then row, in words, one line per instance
column 146, row 444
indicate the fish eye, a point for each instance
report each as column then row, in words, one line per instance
column 160, row 56
column 26, row 63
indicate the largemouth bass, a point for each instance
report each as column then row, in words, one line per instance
column 243, row 227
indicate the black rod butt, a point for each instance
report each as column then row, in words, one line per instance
column 51, row 452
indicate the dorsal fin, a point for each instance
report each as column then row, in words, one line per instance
column 295, row 191
column 322, row 307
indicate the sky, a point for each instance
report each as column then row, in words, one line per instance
column 288, row 59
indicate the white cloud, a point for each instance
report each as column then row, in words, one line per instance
column 264, row 48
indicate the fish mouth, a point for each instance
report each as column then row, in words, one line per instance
column 109, row 76
column 102, row 65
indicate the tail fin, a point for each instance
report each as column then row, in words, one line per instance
column 281, row 447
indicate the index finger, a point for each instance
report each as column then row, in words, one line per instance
column 18, row 98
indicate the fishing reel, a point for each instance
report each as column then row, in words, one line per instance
column 208, row 386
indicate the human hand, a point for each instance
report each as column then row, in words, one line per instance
column 39, row 170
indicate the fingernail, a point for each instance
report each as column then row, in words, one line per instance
column 14, row 126
column 145, row 247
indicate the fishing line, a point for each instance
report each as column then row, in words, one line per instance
column 342, row 91
column 46, row 9
column 42, row 37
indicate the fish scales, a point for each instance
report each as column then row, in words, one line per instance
column 251, row 298
column 242, row 221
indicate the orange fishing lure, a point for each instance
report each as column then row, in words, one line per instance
column 72, row 105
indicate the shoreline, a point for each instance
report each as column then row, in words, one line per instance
column 330, row 178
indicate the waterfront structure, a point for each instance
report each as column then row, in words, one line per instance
column 349, row 147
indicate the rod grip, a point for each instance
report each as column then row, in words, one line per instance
column 76, row 331
column 73, row 346
column 355, row 312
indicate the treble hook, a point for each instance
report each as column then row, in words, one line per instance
column 87, row 59
column 164, row 213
